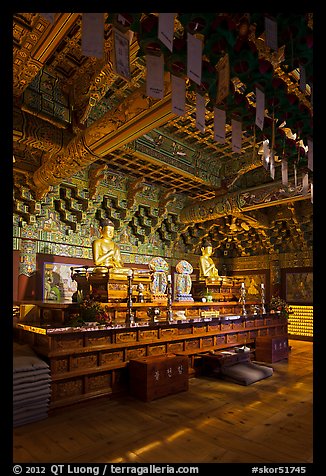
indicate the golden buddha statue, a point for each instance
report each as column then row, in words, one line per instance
column 207, row 268
column 106, row 253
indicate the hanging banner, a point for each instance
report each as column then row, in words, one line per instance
column 155, row 76
column 194, row 58
column 121, row 44
column 236, row 135
column 272, row 166
column 266, row 154
column 271, row 33
column 312, row 192
column 260, row 108
column 200, row 112
column 310, row 155
column 285, row 179
column 166, row 29
column 92, row 41
column 219, row 125
column 305, row 184
column 223, row 71
column 302, row 81
column 178, row 95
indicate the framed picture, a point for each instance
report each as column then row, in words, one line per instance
column 253, row 285
column 299, row 287
column 57, row 282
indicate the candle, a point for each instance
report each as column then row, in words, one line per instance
column 262, row 285
column 242, row 285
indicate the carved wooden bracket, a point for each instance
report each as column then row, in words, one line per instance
column 95, row 175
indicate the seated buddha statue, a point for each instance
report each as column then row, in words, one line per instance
column 106, row 252
column 207, row 268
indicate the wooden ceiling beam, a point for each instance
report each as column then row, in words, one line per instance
column 44, row 39
column 135, row 116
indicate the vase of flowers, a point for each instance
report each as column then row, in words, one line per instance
column 92, row 311
column 279, row 306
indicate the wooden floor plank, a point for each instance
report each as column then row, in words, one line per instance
column 215, row 421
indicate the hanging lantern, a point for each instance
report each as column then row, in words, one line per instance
column 215, row 47
column 176, row 62
column 290, row 149
column 225, row 26
column 196, row 22
column 258, row 21
column 148, row 36
column 243, row 59
column 208, row 83
column 125, row 21
column 277, row 94
column 261, row 76
column 243, row 28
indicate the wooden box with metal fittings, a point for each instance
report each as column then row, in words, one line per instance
column 158, row 376
column 271, row 348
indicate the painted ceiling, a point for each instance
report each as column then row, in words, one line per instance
column 72, row 111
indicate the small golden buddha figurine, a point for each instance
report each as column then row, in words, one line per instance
column 207, row 268
column 106, row 252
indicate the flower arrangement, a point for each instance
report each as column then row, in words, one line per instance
column 280, row 306
column 91, row 310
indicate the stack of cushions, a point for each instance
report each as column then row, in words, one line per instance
column 31, row 386
column 245, row 373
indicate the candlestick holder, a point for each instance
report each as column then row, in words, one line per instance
column 263, row 309
column 243, row 299
column 130, row 317
column 169, row 313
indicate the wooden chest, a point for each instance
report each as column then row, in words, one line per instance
column 157, row 376
column 271, row 348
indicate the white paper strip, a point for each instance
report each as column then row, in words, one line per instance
column 260, row 108
column 266, row 154
column 121, row 45
column 48, row 17
column 285, row 179
column 92, row 42
column 236, row 135
column 271, row 33
column 272, row 166
column 194, row 58
column 223, row 86
column 302, row 81
column 305, row 184
column 155, row 76
column 310, row 154
column 178, row 95
column 200, row 112
column 312, row 192
column 219, row 125
column 166, row 29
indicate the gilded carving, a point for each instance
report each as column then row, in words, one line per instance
column 192, row 344
column 108, row 357
column 156, row 349
column 136, row 353
column 95, row 175
column 238, row 202
column 134, row 188
column 96, row 382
